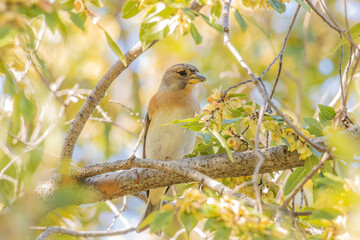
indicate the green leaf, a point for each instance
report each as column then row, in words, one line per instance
column 223, row 143
column 275, row 118
column 27, row 108
column 238, row 95
column 115, row 48
column 52, row 21
column 215, row 11
column 328, row 167
column 149, row 219
column 34, row 161
column 315, row 152
column 311, row 161
column 183, row 121
column 189, row 13
column 194, row 126
column 260, row 27
column 161, row 219
column 96, row 3
column 354, row 30
column 233, row 120
column 278, row 6
column 318, row 189
column 314, row 126
column 31, row 12
column 294, row 179
column 78, row 19
column 42, row 65
column 189, row 221
column 334, row 178
column 283, row 139
column 10, row 85
column 240, row 20
column 327, row 112
column 222, row 233
column 159, row 12
column 213, row 25
column 355, row 35
column 205, row 149
column 304, row 5
column 30, row 36
column 130, row 9
column 213, row 224
column 67, row 6
column 7, row 34
column 195, row 34
column 206, row 136
column 323, row 120
column 327, row 213
column 158, row 24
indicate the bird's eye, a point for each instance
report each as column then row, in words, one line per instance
column 182, row 72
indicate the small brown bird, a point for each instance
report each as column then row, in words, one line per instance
column 174, row 100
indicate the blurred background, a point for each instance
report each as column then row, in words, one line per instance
column 33, row 123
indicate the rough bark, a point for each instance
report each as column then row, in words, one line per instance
column 109, row 184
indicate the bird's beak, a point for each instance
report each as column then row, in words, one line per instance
column 196, row 78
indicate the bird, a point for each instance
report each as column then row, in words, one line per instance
column 174, row 100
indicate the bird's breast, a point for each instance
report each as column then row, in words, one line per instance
column 169, row 141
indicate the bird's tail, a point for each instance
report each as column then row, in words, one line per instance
column 149, row 209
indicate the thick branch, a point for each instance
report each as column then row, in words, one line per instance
column 108, row 181
column 117, row 184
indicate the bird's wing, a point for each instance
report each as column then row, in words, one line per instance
column 147, row 124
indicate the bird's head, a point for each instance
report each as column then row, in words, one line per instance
column 181, row 76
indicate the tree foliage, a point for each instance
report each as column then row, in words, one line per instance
column 53, row 53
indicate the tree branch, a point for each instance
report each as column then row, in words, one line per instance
column 47, row 231
column 112, row 180
column 258, row 83
column 111, row 183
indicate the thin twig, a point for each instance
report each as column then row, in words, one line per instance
column 242, row 185
column 325, row 157
column 140, row 138
column 113, row 123
column 280, row 55
column 14, row 158
column 260, row 160
column 340, row 72
column 47, row 231
column 322, row 16
column 283, row 50
column 346, row 34
column 118, row 213
column 235, row 86
column 281, row 181
column 45, row 81
column 345, row 79
column 132, row 112
column 256, row 81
